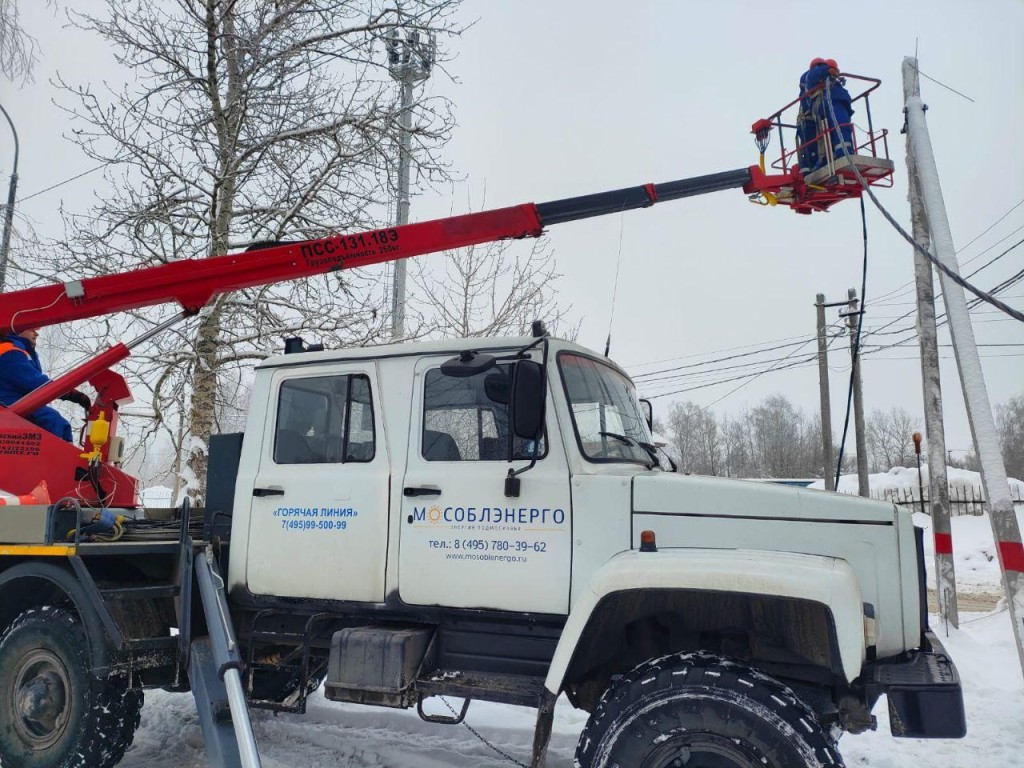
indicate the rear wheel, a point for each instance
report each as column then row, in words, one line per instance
column 703, row 711
column 54, row 713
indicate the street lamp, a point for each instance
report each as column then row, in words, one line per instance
column 410, row 59
column 9, row 210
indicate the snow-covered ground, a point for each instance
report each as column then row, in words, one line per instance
column 349, row 736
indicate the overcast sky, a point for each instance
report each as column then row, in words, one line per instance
column 561, row 98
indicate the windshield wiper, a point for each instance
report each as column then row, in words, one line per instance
column 649, row 449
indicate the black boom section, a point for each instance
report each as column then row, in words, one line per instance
column 585, row 206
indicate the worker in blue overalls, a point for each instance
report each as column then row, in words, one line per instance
column 807, row 118
column 839, row 117
column 816, row 115
column 21, row 372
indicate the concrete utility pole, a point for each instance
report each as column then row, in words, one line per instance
column 852, row 319
column 828, row 457
column 5, row 243
column 1005, row 530
column 938, row 482
column 410, row 60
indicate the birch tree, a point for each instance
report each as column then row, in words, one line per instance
column 242, row 121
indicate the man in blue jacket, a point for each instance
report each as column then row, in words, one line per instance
column 842, row 107
column 807, row 120
column 816, row 112
column 21, row 372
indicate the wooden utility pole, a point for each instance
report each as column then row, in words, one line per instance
column 828, row 459
column 938, row 482
column 852, row 320
column 1005, row 530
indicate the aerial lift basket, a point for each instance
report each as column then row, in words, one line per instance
column 836, row 180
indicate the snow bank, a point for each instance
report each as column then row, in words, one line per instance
column 901, row 480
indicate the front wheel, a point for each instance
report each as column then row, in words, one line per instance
column 696, row 710
column 53, row 712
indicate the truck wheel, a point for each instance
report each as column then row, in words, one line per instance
column 54, row 713
column 697, row 710
column 123, row 716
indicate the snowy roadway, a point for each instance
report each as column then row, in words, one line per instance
column 348, row 736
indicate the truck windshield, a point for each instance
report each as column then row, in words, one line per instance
column 605, row 411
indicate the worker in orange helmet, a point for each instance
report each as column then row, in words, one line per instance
column 839, row 117
column 807, row 120
column 21, row 372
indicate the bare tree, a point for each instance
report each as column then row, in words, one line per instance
column 890, row 438
column 1010, row 422
column 695, row 439
column 18, row 48
column 772, row 439
column 242, row 121
column 494, row 289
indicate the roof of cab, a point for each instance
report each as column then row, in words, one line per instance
column 414, row 349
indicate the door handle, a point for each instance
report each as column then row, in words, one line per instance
column 422, row 491
column 273, row 490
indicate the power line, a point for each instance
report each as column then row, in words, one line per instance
column 717, row 351
column 62, row 183
column 900, row 289
column 937, row 82
column 657, row 374
column 950, row 273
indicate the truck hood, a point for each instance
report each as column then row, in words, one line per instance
column 699, row 495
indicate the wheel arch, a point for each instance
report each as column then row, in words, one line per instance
column 36, row 583
column 798, row 609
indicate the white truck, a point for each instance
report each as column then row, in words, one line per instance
column 484, row 519
column 457, row 520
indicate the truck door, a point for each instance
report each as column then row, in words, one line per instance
column 463, row 542
column 319, row 519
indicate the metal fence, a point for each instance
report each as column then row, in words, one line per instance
column 963, row 499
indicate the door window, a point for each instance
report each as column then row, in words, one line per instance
column 324, row 420
column 467, row 418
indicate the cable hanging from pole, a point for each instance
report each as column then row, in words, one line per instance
column 952, row 274
column 856, row 342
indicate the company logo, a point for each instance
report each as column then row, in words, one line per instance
column 540, row 516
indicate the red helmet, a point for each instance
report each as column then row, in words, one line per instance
column 832, row 64
column 815, row 62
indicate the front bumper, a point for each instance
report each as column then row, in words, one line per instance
column 923, row 688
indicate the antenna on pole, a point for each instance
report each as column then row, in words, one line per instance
column 411, row 56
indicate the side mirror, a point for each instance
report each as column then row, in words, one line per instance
column 528, row 391
column 648, row 409
column 467, row 364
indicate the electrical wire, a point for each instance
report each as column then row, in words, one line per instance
column 937, row 82
column 62, row 183
column 657, row 375
column 860, row 325
column 950, row 273
column 896, row 293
